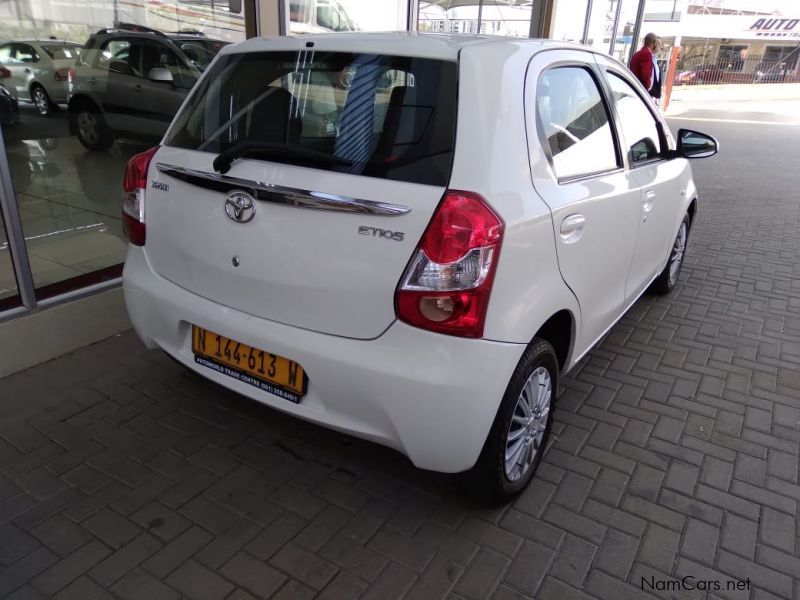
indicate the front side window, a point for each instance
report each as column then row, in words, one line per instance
column 157, row 55
column 26, row 54
column 390, row 117
column 575, row 124
column 638, row 125
column 115, row 55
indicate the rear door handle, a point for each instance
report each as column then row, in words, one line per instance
column 572, row 228
column 27, row 70
column 137, row 88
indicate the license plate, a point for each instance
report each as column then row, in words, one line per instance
column 269, row 372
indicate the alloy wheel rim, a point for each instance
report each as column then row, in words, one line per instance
column 528, row 424
column 40, row 100
column 87, row 125
column 678, row 251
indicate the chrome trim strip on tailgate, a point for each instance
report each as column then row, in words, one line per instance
column 268, row 192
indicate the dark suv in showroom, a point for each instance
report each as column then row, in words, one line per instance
column 129, row 82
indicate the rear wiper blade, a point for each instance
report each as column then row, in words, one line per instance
column 222, row 163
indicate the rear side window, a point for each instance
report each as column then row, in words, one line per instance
column 638, row 124
column 574, row 121
column 390, row 117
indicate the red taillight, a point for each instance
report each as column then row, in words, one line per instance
column 4, row 73
column 64, row 74
column 447, row 285
column 134, row 186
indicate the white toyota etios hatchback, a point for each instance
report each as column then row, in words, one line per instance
column 414, row 258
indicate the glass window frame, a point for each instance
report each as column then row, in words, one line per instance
column 601, row 85
column 662, row 137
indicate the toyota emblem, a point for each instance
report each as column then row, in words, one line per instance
column 240, row 207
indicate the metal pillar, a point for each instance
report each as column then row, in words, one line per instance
column 614, row 28
column 542, row 17
column 587, row 22
column 637, row 29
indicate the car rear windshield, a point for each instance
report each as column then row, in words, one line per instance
column 62, row 52
column 390, row 117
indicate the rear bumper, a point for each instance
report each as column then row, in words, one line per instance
column 429, row 396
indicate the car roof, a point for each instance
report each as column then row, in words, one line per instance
column 401, row 43
column 43, row 42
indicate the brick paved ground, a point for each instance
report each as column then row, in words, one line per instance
column 676, row 453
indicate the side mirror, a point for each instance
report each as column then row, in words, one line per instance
column 160, row 75
column 693, row 144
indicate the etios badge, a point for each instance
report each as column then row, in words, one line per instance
column 240, row 207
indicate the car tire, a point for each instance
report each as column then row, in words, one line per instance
column 92, row 130
column 520, row 431
column 668, row 278
column 41, row 100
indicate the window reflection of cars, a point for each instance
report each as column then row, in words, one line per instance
column 770, row 72
column 9, row 106
column 40, row 70
column 197, row 47
column 129, row 82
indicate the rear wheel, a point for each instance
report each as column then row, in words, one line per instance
column 41, row 100
column 93, row 132
column 521, row 429
column 668, row 278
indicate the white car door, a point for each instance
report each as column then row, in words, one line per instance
column 663, row 182
column 578, row 170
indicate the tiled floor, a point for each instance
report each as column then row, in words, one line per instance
column 675, row 454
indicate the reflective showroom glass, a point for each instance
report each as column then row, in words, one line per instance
column 96, row 83
column 570, row 20
column 9, row 293
column 325, row 16
column 491, row 17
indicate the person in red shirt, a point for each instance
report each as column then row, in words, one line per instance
column 644, row 65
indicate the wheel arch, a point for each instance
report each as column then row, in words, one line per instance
column 560, row 331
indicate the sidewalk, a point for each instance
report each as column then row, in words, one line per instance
column 773, row 98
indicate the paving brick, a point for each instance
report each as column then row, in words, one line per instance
column 608, row 459
column 614, row 518
column 15, row 543
column 59, row 534
column 660, row 547
column 617, row 554
column 739, row 506
column 572, row 491
column 602, row 586
column 636, row 432
column 765, row 497
column 392, row 583
column 700, row 542
column 298, row 501
column 345, row 496
column 689, row 506
column 777, row 529
column 112, row 529
column 294, row 590
column 682, row 477
column 532, row 529
column 575, row 523
column 71, row 567
column 25, row 569
column 480, row 579
column 552, row 589
column 739, row 536
column 573, row 560
column 304, row 566
column 609, row 486
column 780, row 561
column 761, row 576
column 177, row 551
column 160, row 521
column 224, row 546
column 83, row 588
column 275, row 536
column 716, row 473
column 259, row 579
column 95, row 501
column 750, row 469
column 493, row 537
column 646, row 482
column 344, row 585
column 529, row 568
column 653, row 512
column 783, row 465
column 436, row 581
column 124, row 560
column 199, row 583
column 535, row 498
column 445, row 542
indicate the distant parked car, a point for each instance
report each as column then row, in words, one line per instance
column 129, row 82
column 9, row 107
column 195, row 45
column 705, row 73
column 40, row 70
column 770, row 72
